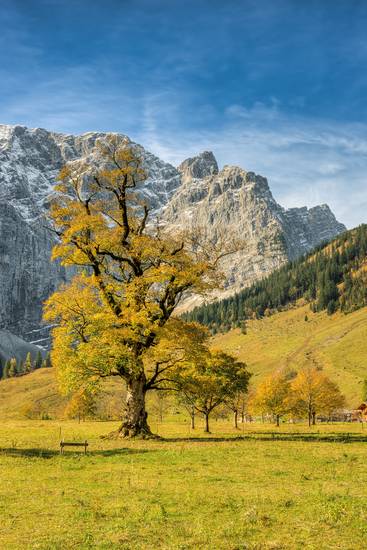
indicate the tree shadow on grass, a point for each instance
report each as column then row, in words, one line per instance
column 258, row 436
column 277, row 436
column 50, row 453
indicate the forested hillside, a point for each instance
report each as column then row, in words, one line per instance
column 332, row 277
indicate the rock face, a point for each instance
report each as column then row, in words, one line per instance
column 234, row 205
column 230, row 202
column 237, row 205
column 30, row 161
column 306, row 228
column 201, row 166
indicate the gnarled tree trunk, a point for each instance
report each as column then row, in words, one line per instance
column 135, row 418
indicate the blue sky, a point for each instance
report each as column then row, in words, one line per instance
column 277, row 86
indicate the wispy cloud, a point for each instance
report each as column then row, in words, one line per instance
column 307, row 161
column 268, row 87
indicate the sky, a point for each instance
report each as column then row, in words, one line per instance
column 278, row 87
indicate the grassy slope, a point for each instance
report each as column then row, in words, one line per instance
column 179, row 493
column 337, row 343
column 16, row 394
column 38, row 393
column 40, row 390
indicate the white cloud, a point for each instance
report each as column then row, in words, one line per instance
column 306, row 161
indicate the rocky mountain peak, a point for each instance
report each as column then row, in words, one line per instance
column 199, row 167
column 231, row 203
column 30, row 160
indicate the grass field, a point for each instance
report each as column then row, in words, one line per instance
column 300, row 489
column 336, row 343
column 254, row 488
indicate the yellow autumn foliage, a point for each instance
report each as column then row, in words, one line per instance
column 115, row 314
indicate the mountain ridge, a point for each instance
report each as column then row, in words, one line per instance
column 196, row 192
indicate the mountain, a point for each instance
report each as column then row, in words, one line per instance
column 30, row 160
column 330, row 278
column 195, row 194
column 12, row 346
column 233, row 204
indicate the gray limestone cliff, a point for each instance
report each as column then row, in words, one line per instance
column 235, row 205
column 30, row 160
column 231, row 202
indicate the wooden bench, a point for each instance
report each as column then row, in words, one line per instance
column 73, row 444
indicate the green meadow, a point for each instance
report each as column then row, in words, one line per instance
column 254, row 488
column 251, row 489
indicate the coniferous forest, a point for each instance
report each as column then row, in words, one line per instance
column 332, row 277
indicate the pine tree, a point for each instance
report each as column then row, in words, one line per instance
column 13, row 369
column 6, row 369
column 20, row 367
column 28, row 366
column 38, row 360
column 46, row 363
column 332, row 307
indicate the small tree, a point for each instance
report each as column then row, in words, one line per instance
column 237, row 404
column 27, row 365
column 20, row 367
column 13, row 370
column 208, row 381
column 46, row 363
column 271, row 396
column 186, row 403
column 38, row 360
column 160, row 405
column 243, row 327
column 82, row 405
column 313, row 392
column 6, row 369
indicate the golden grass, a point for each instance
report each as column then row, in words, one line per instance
column 337, row 343
column 255, row 488
column 39, row 392
column 181, row 493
